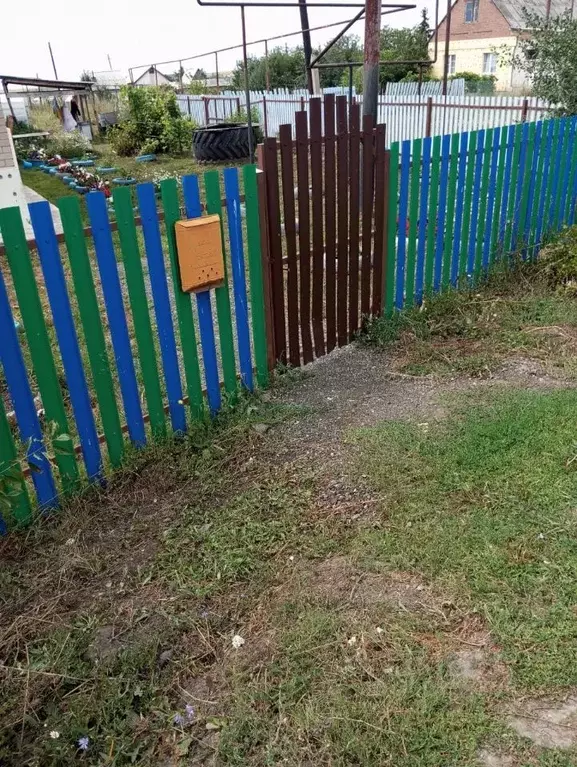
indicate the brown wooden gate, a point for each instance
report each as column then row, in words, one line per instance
column 323, row 203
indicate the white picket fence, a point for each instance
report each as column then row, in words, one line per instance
column 406, row 117
column 455, row 87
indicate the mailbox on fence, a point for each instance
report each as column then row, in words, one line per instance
column 200, row 254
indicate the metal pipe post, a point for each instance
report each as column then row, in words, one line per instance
column 371, row 58
column 306, row 41
column 246, row 86
column 53, row 64
column 447, row 41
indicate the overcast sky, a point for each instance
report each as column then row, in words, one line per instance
column 137, row 32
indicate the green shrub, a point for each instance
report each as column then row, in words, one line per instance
column 153, row 123
column 558, row 260
column 68, row 145
column 241, row 117
column 474, row 83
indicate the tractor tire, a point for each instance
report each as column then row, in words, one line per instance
column 223, row 142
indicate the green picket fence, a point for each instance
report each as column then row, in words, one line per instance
column 102, row 349
column 459, row 203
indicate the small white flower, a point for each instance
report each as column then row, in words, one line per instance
column 237, row 641
column 291, row 558
column 379, row 630
column 541, row 536
column 352, row 640
column 54, row 734
column 70, row 542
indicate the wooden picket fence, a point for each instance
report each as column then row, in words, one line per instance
column 459, row 203
column 119, row 352
column 325, row 236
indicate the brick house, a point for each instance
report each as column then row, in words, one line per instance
column 482, row 31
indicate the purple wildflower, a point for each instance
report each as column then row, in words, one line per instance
column 83, row 743
column 189, row 712
column 178, row 720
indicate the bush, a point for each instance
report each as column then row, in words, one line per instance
column 68, row 145
column 558, row 260
column 474, row 83
column 153, row 123
column 241, row 117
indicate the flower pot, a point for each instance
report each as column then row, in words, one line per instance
column 121, row 181
column 145, row 158
column 106, row 170
column 83, row 163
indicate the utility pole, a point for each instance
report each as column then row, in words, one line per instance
column 306, row 42
column 109, row 62
column 371, row 58
column 447, row 42
column 53, row 64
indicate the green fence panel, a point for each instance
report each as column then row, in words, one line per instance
column 467, row 203
column 413, row 220
column 256, row 275
column 169, row 192
column 90, row 317
column 214, row 205
column 38, row 340
column 498, row 196
column 392, row 232
column 487, row 153
column 123, row 209
column 451, row 199
column 432, row 222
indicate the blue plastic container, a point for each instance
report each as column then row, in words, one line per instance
column 27, row 164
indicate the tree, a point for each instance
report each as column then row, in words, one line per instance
column 549, row 58
column 407, row 44
column 348, row 48
column 87, row 77
column 286, row 70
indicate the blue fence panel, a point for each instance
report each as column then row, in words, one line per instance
column 115, row 311
column 232, row 194
column 423, row 213
column 193, row 209
column 41, row 218
column 442, row 214
column 544, row 183
column 161, row 299
column 491, row 197
column 403, row 210
column 475, row 204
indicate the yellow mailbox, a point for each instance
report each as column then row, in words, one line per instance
column 200, row 255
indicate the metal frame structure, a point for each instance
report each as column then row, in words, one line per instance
column 242, row 4
column 43, row 88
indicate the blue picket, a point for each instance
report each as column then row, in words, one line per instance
column 471, row 248
column 55, row 281
column 193, row 209
column 506, row 183
column 566, row 171
column 520, row 184
column 557, row 175
column 442, row 211
column 162, row 311
column 403, row 210
column 115, row 311
column 461, row 174
column 423, row 214
column 544, row 184
column 232, row 194
column 24, row 407
column 491, row 198
column 532, row 186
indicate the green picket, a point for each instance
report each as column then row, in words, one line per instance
column 432, row 217
column 551, row 177
column 450, row 212
column 256, row 276
column 487, row 152
column 467, row 202
column 523, row 212
column 507, row 244
column 413, row 219
column 11, row 472
column 214, row 206
column 568, row 212
column 170, row 204
column 38, row 340
column 561, row 173
column 538, row 183
column 498, row 196
column 90, row 319
column 392, row 231
column 123, row 209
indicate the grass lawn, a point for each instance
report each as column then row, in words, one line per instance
column 224, row 602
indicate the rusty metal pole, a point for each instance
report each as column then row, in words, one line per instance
column 371, row 58
column 447, row 41
column 266, row 69
column 246, row 86
column 307, row 47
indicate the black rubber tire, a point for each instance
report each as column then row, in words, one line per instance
column 222, row 142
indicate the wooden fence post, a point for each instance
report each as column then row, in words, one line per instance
column 429, row 116
column 206, row 114
column 265, row 255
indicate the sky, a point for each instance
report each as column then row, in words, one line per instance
column 140, row 32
